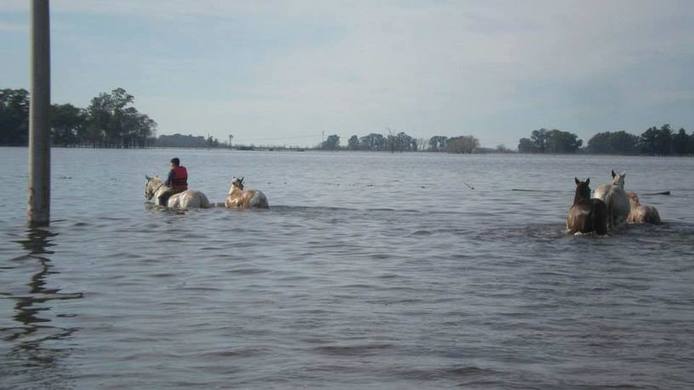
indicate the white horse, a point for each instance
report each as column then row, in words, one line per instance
column 188, row 199
column 615, row 198
column 244, row 199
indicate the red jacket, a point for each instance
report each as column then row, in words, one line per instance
column 178, row 178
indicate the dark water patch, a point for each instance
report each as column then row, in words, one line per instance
column 368, row 349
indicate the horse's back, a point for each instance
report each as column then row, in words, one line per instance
column 259, row 200
column 598, row 216
column 644, row 214
column 189, row 199
column 617, row 203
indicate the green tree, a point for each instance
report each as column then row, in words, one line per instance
column 372, row 142
column 67, row 124
column 353, row 143
column 438, row 143
column 462, row 144
column 558, row 141
column 619, row 142
column 112, row 120
column 526, row 145
column 680, row 142
column 539, row 138
column 14, row 116
column 656, row 141
column 331, row 143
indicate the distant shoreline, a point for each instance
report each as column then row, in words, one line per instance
column 300, row 150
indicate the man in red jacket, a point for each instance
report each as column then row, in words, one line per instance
column 177, row 181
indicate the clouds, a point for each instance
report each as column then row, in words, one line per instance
column 492, row 69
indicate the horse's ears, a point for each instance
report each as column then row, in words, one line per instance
column 577, row 181
column 587, row 181
column 613, row 174
column 624, row 174
column 148, row 178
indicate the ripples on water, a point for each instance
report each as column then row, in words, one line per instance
column 369, row 271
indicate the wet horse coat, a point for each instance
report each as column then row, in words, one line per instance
column 245, row 199
column 641, row 213
column 616, row 200
column 586, row 215
column 188, row 199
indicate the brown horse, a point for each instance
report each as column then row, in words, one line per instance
column 244, row 199
column 586, row 215
column 641, row 213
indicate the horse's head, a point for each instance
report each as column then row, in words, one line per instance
column 236, row 184
column 618, row 179
column 151, row 186
column 582, row 189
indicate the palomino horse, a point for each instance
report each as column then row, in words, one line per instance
column 616, row 200
column 641, row 213
column 188, row 199
column 586, row 215
column 244, row 199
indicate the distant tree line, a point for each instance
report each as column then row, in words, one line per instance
column 187, row 141
column 550, row 141
column 402, row 142
column 110, row 120
column 654, row 141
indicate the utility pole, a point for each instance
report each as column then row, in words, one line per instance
column 231, row 137
column 39, row 110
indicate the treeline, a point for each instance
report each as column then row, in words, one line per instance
column 110, row 120
column 654, row 141
column 402, row 142
column 187, row 141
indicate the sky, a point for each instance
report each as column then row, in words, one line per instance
column 284, row 72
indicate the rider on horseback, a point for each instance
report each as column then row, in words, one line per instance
column 177, row 181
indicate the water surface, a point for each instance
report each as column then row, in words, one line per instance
column 369, row 271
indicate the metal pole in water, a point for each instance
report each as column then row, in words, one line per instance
column 39, row 112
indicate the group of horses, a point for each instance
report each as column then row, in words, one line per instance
column 237, row 198
column 609, row 207
column 606, row 209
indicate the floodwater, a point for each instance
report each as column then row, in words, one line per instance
column 370, row 270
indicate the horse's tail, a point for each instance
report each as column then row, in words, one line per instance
column 598, row 217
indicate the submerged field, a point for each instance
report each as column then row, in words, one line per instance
column 369, row 270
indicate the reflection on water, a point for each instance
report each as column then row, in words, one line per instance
column 34, row 330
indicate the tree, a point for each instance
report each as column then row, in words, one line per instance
column 619, row 142
column 550, row 141
column 353, row 143
column 372, row 142
column 212, row 142
column 67, row 124
column 539, row 138
column 438, row 143
column 331, row 143
column 111, row 120
column 557, row 141
column 647, row 143
column 463, row 144
column 526, row 145
column 14, row 117
column 400, row 142
column 656, row 141
column 680, row 143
